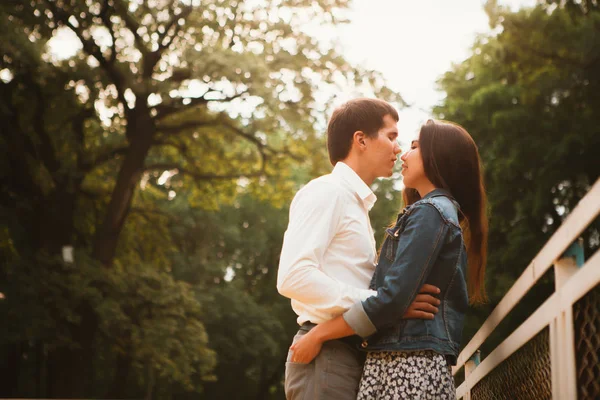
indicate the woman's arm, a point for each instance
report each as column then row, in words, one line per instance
column 309, row 346
column 419, row 246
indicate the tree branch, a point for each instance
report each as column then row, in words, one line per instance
column 228, row 124
column 109, row 25
column 78, row 126
column 181, row 147
column 199, row 176
column 146, row 213
column 132, row 24
column 165, row 110
column 20, row 144
column 238, row 131
column 104, row 157
column 48, row 157
column 180, row 74
column 261, row 148
column 90, row 47
column 92, row 195
column 175, row 129
column 164, row 41
column 232, row 40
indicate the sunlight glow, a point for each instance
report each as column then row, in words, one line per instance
column 6, row 75
column 64, row 44
column 412, row 43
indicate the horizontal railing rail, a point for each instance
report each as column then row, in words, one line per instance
column 572, row 282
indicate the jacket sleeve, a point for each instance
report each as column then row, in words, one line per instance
column 315, row 217
column 419, row 246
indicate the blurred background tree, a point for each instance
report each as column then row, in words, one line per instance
column 164, row 151
column 529, row 96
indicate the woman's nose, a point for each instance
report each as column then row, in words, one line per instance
column 403, row 156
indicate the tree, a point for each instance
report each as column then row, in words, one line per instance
column 162, row 100
column 528, row 96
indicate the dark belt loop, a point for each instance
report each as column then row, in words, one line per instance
column 307, row 326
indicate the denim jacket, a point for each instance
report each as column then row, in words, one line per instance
column 425, row 246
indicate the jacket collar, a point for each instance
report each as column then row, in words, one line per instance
column 438, row 192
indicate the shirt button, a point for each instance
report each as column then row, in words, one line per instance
column 364, row 344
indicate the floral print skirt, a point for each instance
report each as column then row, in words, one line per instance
column 403, row 375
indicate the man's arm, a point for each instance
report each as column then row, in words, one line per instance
column 315, row 216
column 309, row 346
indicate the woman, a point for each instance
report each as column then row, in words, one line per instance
column 434, row 239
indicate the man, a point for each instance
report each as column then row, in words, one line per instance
column 328, row 255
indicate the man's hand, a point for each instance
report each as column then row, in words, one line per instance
column 425, row 305
column 306, row 348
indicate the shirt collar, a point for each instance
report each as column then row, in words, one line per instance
column 358, row 186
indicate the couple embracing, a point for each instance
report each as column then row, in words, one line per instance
column 384, row 325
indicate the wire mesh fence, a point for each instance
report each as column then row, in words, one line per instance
column 586, row 318
column 525, row 375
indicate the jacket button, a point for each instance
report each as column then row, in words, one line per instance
column 364, row 344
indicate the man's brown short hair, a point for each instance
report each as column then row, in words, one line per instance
column 362, row 114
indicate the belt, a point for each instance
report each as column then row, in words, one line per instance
column 353, row 340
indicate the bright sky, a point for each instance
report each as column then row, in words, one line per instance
column 412, row 43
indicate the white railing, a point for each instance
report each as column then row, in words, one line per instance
column 571, row 283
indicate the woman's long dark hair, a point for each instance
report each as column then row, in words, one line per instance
column 451, row 161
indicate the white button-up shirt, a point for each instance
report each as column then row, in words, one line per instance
column 328, row 255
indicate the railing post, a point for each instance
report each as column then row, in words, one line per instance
column 469, row 368
column 562, row 337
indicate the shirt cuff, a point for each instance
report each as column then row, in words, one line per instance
column 365, row 294
column 359, row 321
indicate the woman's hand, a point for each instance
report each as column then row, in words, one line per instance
column 307, row 348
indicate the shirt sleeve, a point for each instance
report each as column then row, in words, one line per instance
column 315, row 217
column 418, row 248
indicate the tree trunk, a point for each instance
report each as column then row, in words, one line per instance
column 10, row 373
column 121, row 379
column 40, row 370
column 140, row 132
column 70, row 371
column 57, row 219
column 150, row 384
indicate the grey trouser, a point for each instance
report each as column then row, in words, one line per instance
column 334, row 374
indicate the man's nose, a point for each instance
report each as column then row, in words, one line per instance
column 397, row 149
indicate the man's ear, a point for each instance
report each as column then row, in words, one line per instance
column 359, row 139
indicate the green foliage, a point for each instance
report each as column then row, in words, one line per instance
column 389, row 204
column 528, row 97
column 165, row 151
column 249, row 323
